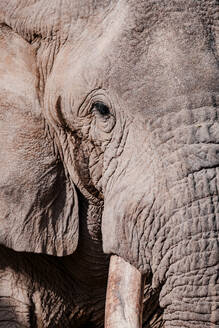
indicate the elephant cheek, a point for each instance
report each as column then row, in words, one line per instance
column 123, row 227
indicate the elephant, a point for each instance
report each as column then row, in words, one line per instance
column 109, row 143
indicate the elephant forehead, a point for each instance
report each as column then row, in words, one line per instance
column 144, row 57
column 80, row 63
column 171, row 60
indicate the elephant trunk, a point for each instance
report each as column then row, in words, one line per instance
column 190, row 299
column 164, row 208
column 124, row 300
column 179, row 240
column 189, row 296
column 186, row 255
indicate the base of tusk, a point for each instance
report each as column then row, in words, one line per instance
column 124, row 298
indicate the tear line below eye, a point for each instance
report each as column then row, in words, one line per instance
column 58, row 108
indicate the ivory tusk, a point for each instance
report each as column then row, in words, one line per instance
column 124, row 298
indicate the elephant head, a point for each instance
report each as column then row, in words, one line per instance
column 130, row 93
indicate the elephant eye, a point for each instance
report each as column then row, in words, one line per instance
column 101, row 108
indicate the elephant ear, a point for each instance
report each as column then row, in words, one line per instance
column 38, row 202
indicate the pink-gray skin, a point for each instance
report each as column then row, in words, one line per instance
column 120, row 100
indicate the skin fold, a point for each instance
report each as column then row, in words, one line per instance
column 109, row 140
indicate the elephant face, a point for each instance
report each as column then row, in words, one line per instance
column 130, row 95
column 131, row 106
column 37, row 201
column 135, row 107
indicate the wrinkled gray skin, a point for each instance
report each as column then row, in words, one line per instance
column 148, row 170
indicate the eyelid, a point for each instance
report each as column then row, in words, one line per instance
column 97, row 95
